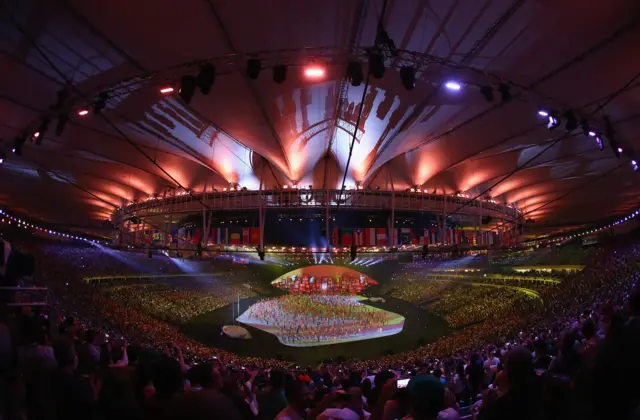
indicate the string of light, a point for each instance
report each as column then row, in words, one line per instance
column 612, row 225
column 9, row 219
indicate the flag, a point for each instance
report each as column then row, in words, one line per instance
column 424, row 239
column 255, row 236
column 370, row 236
column 381, row 236
column 346, row 236
column 394, row 240
column 195, row 239
column 358, row 236
column 246, row 238
column 334, row 236
column 235, row 235
column 405, row 236
column 221, row 236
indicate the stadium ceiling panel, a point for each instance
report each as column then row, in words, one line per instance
column 569, row 55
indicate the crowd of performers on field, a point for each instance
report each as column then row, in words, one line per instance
column 317, row 318
column 345, row 284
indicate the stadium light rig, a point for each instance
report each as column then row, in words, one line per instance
column 83, row 112
column 167, row 89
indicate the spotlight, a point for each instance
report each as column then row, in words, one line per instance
column 487, row 92
column 188, row 85
column 100, row 103
column 504, row 92
column 543, row 113
column 280, row 73
column 17, row 145
column 376, row 65
column 408, row 77
column 166, row 90
column 634, row 165
column 615, row 147
column 254, row 66
column 572, row 121
column 599, row 143
column 83, row 112
column 354, row 72
column 452, row 85
column 206, row 77
column 42, row 128
column 314, row 72
column 62, row 123
column 553, row 122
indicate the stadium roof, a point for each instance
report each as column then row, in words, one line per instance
column 553, row 55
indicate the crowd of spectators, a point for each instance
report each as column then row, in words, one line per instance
column 573, row 254
column 576, row 356
column 178, row 305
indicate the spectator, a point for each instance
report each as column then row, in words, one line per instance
column 272, row 400
column 74, row 396
column 298, row 398
column 522, row 400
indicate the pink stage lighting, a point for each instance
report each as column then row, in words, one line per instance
column 166, row 90
column 314, row 72
column 83, row 112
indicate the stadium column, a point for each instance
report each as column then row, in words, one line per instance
column 326, row 219
column 392, row 222
column 203, row 237
column 165, row 236
column 114, row 233
column 260, row 217
column 444, row 221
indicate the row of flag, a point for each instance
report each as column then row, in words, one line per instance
column 409, row 236
column 339, row 236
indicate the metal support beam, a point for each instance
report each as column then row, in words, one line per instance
column 392, row 222
column 444, row 221
column 202, row 238
column 261, row 214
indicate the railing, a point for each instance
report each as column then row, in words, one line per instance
column 309, row 199
column 18, row 296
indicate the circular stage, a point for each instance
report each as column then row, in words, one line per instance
column 237, row 332
column 420, row 327
column 321, row 320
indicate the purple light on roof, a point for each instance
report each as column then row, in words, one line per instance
column 451, row 85
column 592, row 133
column 543, row 113
column 619, row 149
